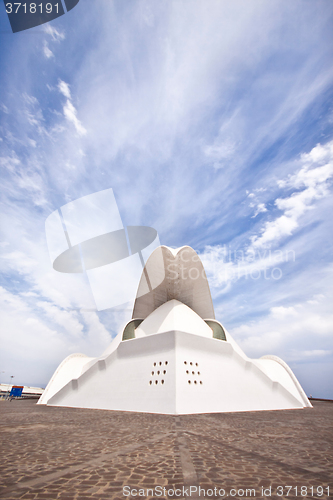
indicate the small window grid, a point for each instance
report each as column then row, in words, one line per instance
column 159, row 370
column 193, row 375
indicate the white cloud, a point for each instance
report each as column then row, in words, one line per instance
column 318, row 155
column 25, row 179
column 4, row 108
column 29, row 294
column 274, row 231
column 317, row 168
column 33, row 114
column 225, row 265
column 31, row 340
column 254, row 196
column 98, row 335
column 64, row 89
column 220, row 151
column 56, row 35
column 69, row 110
column 19, row 261
column 39, row 342
column 9, row 162
column 70, row 114
column 292, row 332
column 261, row 208
column 261, row 258
column 315, row 185
column 67, row 319
column 283, row 312
column 313, row 354
column 47, row 52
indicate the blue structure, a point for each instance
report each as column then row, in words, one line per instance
column 16, row 391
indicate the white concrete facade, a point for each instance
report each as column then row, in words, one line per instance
column 171, row 358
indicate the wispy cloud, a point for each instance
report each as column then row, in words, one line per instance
column 309, row 184
column 47, row 52
column 70, row 113
column 69, row 110
column 260, row 208
column 56, row 34
column 283, row 327
column 225, row 264
column 64, row 89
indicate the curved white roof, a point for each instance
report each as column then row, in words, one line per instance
column 173, row 315
column 173, row 274
column 70, row 368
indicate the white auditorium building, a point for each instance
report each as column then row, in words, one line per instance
column 174, row 357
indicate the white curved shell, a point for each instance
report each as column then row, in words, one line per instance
column 173, row 274
column 173, row 363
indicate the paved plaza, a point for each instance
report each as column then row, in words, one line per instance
column 74, row 454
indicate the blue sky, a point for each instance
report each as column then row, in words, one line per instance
column 212, row 123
